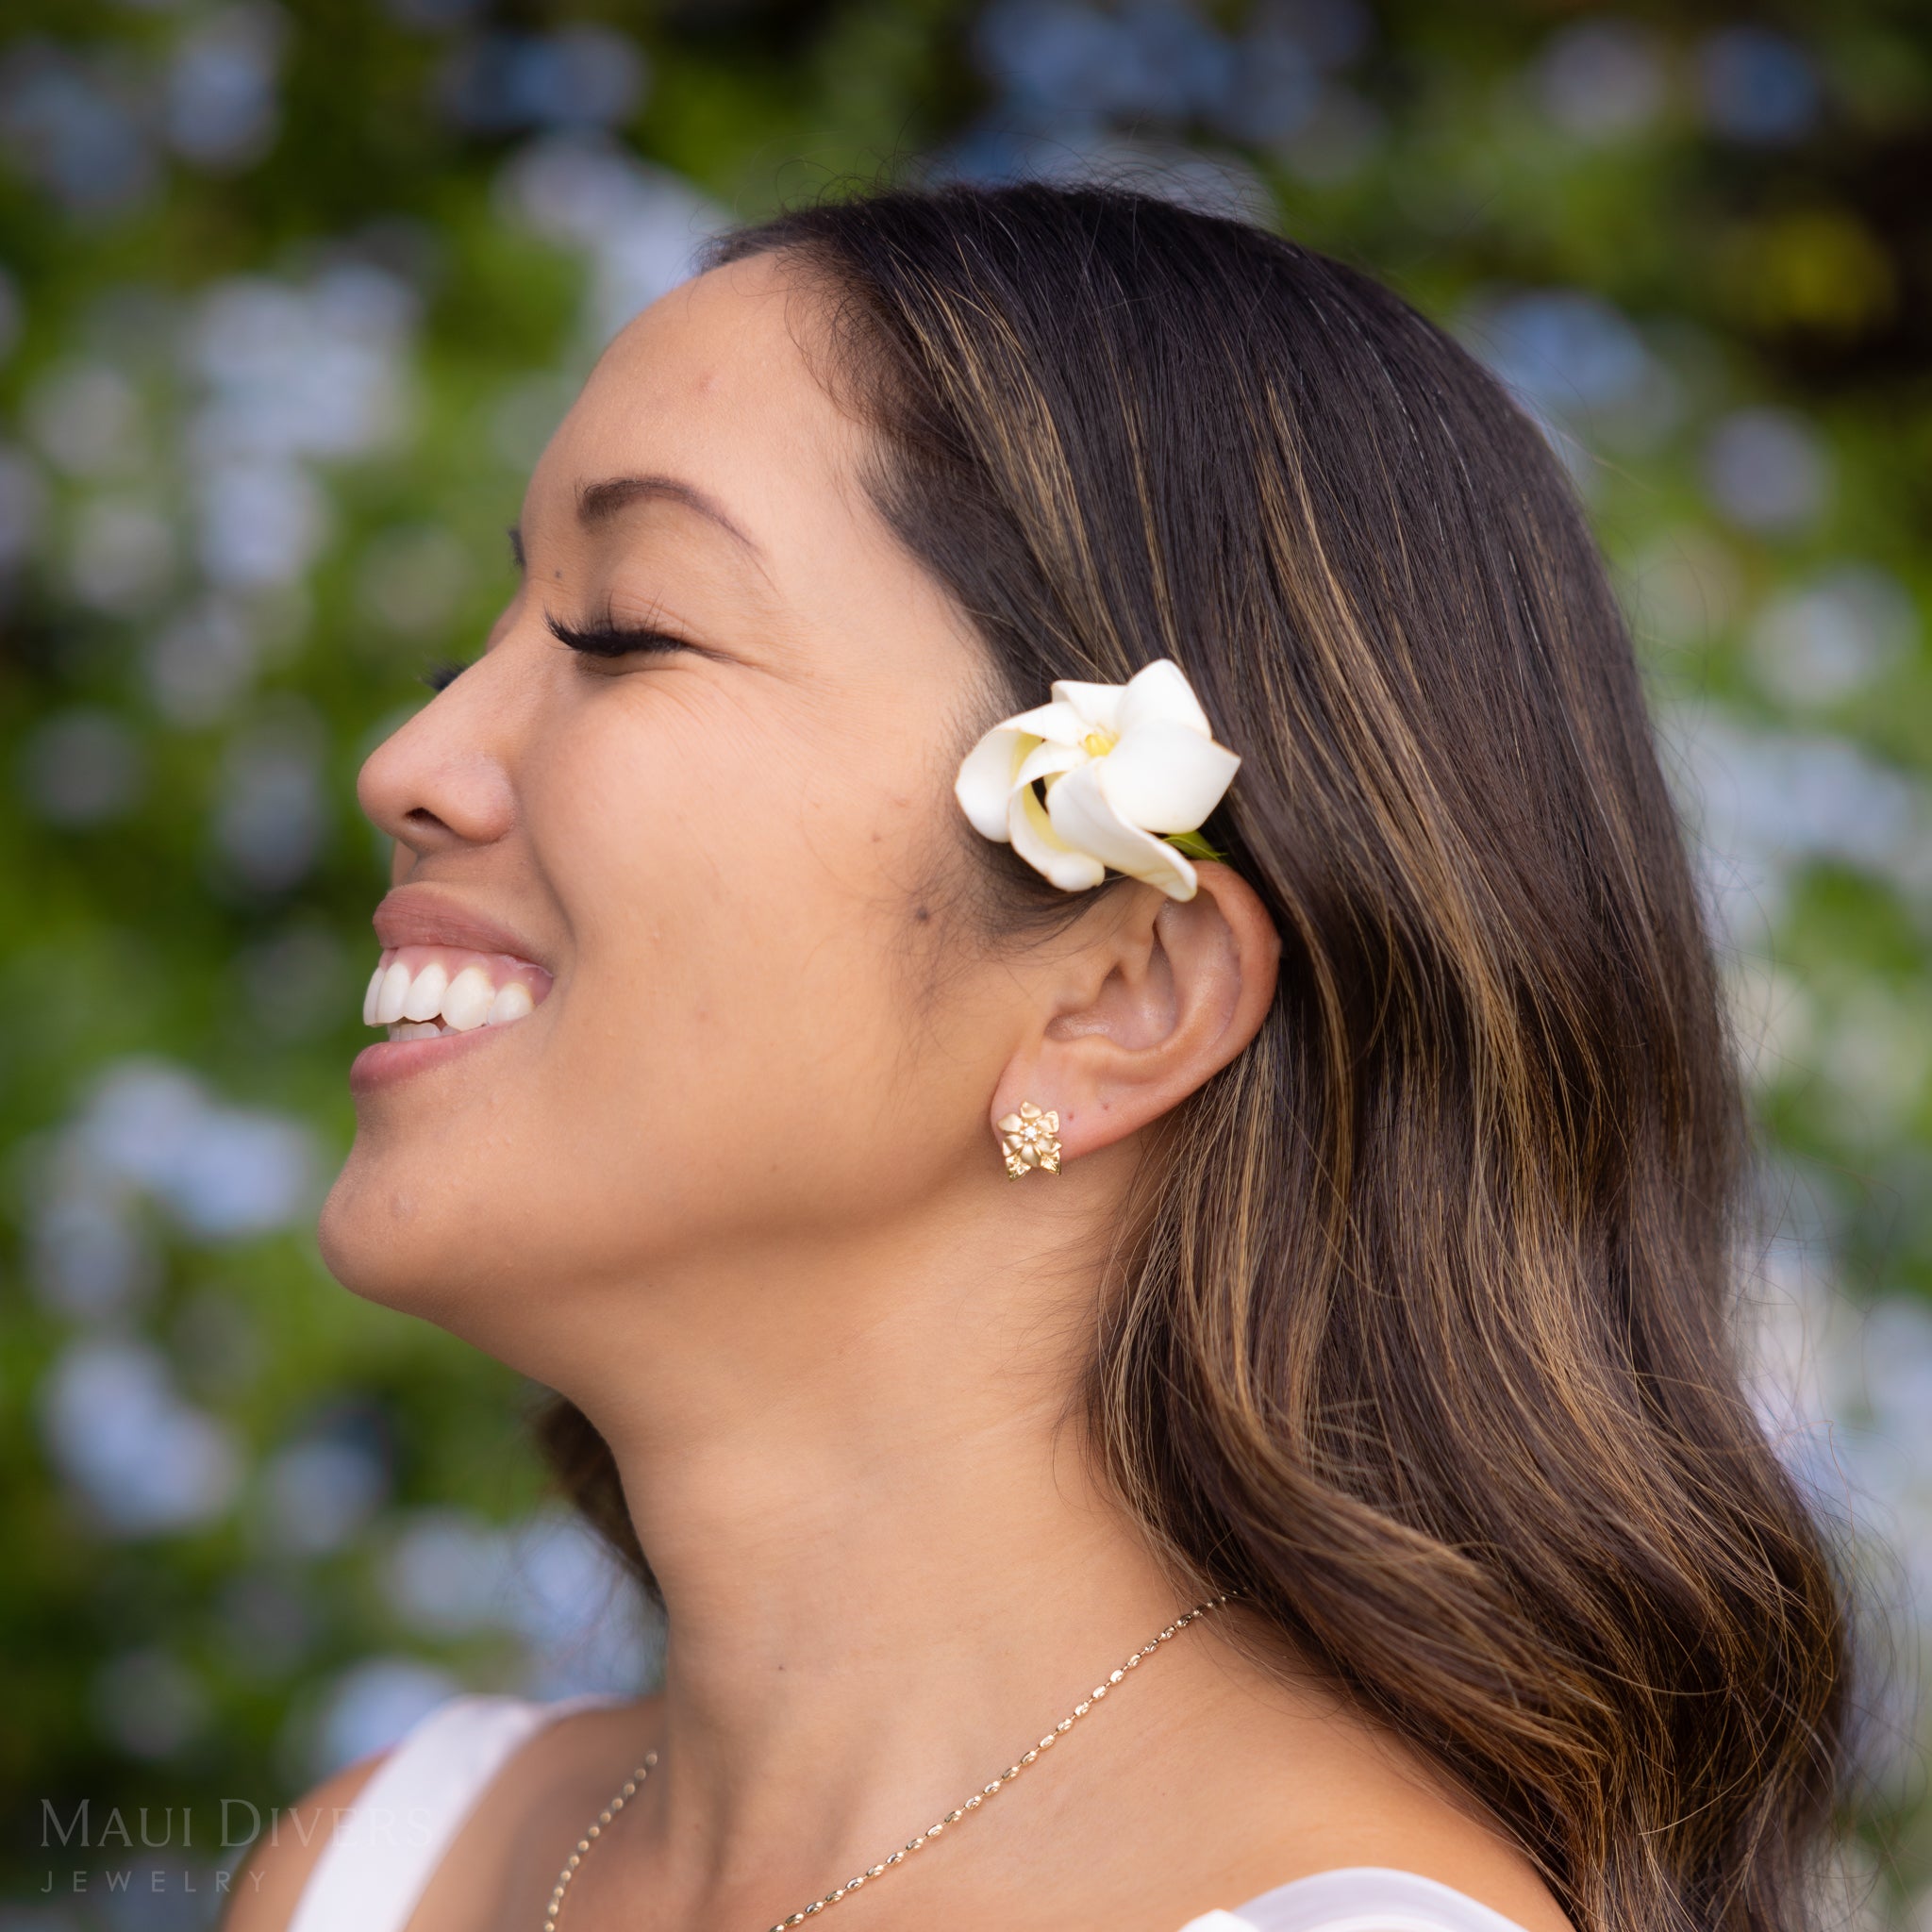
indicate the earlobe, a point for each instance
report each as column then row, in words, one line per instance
column 1159, row 1000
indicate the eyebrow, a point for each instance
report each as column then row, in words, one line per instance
column 597, row 502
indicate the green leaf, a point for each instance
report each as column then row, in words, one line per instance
column 1194, row 845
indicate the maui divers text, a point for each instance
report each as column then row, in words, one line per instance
column 238, row 1824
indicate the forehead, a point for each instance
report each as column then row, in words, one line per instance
column 714, row 382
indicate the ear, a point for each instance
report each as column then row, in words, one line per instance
column 1164, row 993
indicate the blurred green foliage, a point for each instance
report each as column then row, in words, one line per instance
column 292, row 294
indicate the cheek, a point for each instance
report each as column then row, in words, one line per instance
column 733, row 1034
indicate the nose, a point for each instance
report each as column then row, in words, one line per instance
column 441, row 781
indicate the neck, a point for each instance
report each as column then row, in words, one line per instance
column 871, row 1504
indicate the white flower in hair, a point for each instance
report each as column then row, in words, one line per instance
column 1123, row 763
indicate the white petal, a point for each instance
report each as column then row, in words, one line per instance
column 1162, row 690
column 1165, row 777
column 1063, row 723
column 1036, row 841
column 1046, row 759
column 986, row 779
column 1096, row 703
column 1084, row 819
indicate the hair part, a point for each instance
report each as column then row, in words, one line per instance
column 1428, row 1347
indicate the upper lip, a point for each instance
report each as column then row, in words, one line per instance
column 426, row 916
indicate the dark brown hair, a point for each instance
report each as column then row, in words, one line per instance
column 1427, row 1349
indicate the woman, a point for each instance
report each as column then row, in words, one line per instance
column 1044, row 970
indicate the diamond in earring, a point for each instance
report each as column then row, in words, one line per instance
column 1031, row 1138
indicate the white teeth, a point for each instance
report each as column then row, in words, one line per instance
column 425, row 993
column 467, row 1002
column 395, row 991
column 431, row 1000
column 512, row 1002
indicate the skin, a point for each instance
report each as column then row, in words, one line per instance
column 735, row 1189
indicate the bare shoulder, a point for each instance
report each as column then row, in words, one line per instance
column 1302, row 1782
column 263, row 1892
column 1392, row 1816
column 1449, row 1841
column 1430, row 1826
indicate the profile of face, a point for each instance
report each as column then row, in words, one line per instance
column 723, row 857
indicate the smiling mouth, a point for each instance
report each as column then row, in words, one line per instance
column 418, row 992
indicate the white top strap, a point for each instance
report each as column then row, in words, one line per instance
column 377, row 1860
column 1360, row 1898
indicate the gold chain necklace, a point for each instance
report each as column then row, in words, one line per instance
column 628, row 1789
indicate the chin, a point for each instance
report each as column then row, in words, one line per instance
column 377, row 1241
column 435, row 1252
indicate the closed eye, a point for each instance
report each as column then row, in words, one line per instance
column 607, row 638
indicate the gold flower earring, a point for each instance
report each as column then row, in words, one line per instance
column 1031, row 1138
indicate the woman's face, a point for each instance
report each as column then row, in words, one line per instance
column 725, row 850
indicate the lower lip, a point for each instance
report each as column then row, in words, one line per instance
column 390, row 1061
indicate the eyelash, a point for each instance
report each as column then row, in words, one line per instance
column 604, row 639
column 609, row 638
